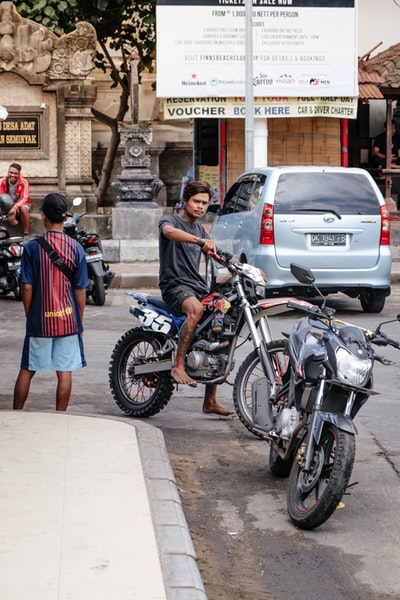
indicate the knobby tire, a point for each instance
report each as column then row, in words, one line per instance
column 143, row 395
column 249, row 371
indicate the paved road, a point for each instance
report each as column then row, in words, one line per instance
column 236, row 511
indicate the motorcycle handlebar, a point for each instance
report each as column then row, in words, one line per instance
column 222, row 257
column 383, row 340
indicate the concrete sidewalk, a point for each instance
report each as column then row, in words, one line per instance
column 90, row 509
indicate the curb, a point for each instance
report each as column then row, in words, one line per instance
column 130, row 281
column 178, row 557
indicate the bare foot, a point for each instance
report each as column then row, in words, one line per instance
column 180, row 376
column 217, row 409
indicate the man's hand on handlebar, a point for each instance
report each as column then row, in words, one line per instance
column 222, row 257
column 208, row 246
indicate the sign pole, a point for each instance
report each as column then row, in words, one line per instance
column 249, row 113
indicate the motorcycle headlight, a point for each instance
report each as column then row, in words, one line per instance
column 352, row 369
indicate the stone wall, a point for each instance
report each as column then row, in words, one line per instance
column 44, row 82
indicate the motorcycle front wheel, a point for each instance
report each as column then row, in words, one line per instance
column 312, row 497
column 138, row 395
column 98, row 291
column 251, row 370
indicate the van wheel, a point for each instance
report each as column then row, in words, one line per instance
column 372, row 301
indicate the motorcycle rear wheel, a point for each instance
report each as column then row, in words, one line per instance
column 17, row 288
column 249, row 371
column 278, row 466
column 138, row 396
column 313, row 497
column 98, row 292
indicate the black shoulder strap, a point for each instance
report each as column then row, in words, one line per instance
column 69, row 274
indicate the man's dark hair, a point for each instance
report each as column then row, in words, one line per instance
column 15, row 166
column 196, row 187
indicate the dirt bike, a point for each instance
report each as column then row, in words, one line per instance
column 308, row 420
column 234, row 312
column 99, row 273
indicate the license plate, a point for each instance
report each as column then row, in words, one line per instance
column 93, row 257
column 14, row 266
column 328, row 239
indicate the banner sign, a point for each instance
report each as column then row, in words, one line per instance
column 300, row 48
column 266, row 108
column 20, row 132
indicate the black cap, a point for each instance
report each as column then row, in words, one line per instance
column 54, row 206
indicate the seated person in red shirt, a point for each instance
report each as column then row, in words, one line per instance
column 18, row 188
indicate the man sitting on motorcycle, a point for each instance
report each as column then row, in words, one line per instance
column 181, row 240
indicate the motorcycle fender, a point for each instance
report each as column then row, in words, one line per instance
column 277, row 306
column 270, row 307
column 96, row 267
column 338, row 419
column 261, row 409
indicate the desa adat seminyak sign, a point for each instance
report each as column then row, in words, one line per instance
column 300, row 48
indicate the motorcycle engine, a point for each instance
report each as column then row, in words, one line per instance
column 288, row 420
column 204, row 361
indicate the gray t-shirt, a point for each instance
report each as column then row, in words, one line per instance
column 11, row 190
column 180, row 262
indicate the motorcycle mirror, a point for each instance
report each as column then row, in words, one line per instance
column 302, row 274
column 77, row 201
column 306, row 276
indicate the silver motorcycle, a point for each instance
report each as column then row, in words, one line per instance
column 307, row 413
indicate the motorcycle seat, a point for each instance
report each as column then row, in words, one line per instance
column 159, row 302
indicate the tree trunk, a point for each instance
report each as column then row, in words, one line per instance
column 112, row 149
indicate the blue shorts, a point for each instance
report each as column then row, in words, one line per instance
column 53, row 354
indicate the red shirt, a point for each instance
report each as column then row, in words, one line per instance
column 21, row 191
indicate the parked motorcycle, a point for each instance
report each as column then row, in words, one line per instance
column 308, row 420
column 11, row 249
column 141, row 362
column 99, row 273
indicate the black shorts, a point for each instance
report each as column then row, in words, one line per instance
column 175, row 298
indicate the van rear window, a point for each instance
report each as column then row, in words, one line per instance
column 350, row 194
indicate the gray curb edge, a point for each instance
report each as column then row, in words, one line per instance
column 182, row 577
column 177, row 553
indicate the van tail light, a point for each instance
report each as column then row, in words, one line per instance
column 267, row 225
column 385, row 227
